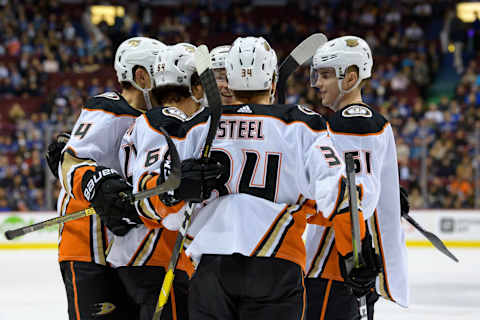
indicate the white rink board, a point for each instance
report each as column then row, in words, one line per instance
column 449, row 225
column 31, row 287
column 39, row 239
column 455, row 227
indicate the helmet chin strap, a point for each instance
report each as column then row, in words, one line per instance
column 342, row 93
column 202, row 101
column 146, row 94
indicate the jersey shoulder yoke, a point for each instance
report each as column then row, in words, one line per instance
column 357, row 119
column 174, row 121
column 111, row 102
column 288, row 113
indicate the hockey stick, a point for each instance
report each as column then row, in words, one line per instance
column 357, row 247
column 301, row 54
column 434, row 240
column 172, row 182
column 207, row 78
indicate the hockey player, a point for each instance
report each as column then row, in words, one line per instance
column 339, row 69
column 218, row 56
column 248, row 237
column 88, row 173
column 142, row 256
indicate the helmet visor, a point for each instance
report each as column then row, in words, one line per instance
column 314, row 76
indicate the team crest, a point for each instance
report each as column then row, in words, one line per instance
column 175, row 113
column 357, row 111
column 352, row 42
column 104, row 308
column 109, row 95
column 133, row 43
column 189, row 49
column 266, row 45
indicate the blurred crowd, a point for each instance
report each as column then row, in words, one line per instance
column 51, row 53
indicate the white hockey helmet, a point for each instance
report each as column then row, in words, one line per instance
column 218, row 55
column 137, row 51
column 341, row 53
column 251, row 64
column 175, row 65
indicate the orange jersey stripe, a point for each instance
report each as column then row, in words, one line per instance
column 160, row 208
column 342, row 224
column 284, row 237
column 75, row 294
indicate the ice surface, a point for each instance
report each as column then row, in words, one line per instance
column 31, row 287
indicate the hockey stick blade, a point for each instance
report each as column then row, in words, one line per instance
column 434, row 240
column 356, row 241
column 172, row 182
column 300, row 55
column 207, row 78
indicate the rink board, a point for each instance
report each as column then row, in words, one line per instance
column 457, row 228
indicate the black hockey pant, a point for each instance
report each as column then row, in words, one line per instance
column 94, row 292
column 331, row 300
column 238, row 287
column 143, row 285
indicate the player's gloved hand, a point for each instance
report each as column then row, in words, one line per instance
column 404, row 204
column 54, row 152
column 103, row 188
column 198, row 179
column 361, row 280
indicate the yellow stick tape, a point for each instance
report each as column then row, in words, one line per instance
column 28, row 245
column 167, row 285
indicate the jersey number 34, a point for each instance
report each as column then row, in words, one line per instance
column 267, row 190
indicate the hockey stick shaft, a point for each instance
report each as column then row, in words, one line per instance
column 356, row 241
column 207, row 78
column 172, row 182
column 434, row 240
column 15, row 233
column 301, row 54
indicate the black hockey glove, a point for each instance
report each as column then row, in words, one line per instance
column 54, row 152
column 102, row 188
column 361, row 280
column 198, row 179
column 404, row 204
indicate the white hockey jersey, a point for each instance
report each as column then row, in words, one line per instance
column 360, row 129
column 95, row 140
column 142, row 246
column 275, row 158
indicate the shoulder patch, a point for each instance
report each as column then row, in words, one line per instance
column 175, row 113
column 306, row 110
column 109, row 95
column 357, row 111
column 357, row 119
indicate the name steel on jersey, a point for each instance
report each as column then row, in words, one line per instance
column 240, row 129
